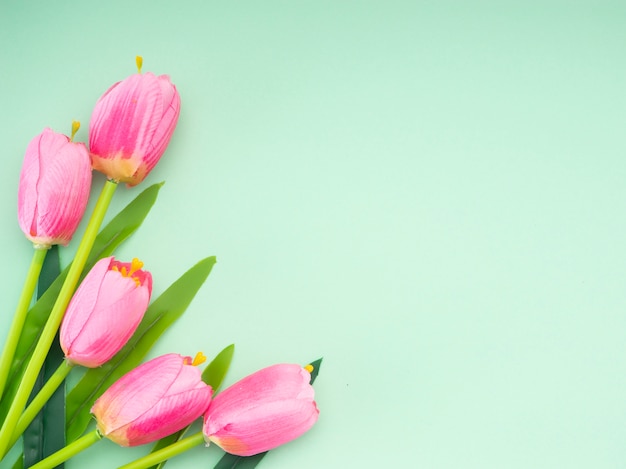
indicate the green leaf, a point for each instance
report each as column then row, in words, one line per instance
column 230, row 461
column 213, row 375
column 164, row 442
column 46, row 433
column 160, row 315
column 19, row 464
column 215, row 372
column 124, row 224
column 316, row 369
column 117, row 230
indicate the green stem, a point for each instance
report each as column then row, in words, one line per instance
column 165, row 453
column 69, row 451
column 40, row 399
column 20, row 314
column 56, row 315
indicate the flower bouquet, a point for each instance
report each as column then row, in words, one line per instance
column 98, row 314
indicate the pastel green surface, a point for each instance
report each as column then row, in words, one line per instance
column 430, row 195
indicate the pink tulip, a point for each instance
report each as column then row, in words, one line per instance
column 105, row 311
column 262, row 411
column 131, row 126
column 54, row 188
column 152, row 401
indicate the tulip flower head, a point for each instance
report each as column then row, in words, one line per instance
column 105, row 311
column 152, row 401
column 131, row 125
column 54, row 188
column 262, row 411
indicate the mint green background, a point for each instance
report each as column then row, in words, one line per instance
column 428, row 194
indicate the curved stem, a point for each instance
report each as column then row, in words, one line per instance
column 69, row 451
column 40, row 399
column 20, row 315
column 165, row 453
column 56, row 315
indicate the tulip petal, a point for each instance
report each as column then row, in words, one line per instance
column 54, row 188
column 126, row 117
column 136, row 392
column 131, row 126
column 150, row 402
column 263, row 428
column 262, row 411
column 110, row 325
column 84, row 299
column 105, row 311
column 170, row 414
column 60, row 197
column 274, row 383
column 163, row 133
column 26, row 196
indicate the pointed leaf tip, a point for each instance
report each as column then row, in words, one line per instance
column 215, row 372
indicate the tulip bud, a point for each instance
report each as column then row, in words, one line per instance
column 105, row 311
column 54, row 188
column 262, row 411
column 152, row 401
column 131, row 125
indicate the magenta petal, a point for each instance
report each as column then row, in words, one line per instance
column 131, row 126
column 83, row 301
column 262, row 411
column 54, row 188
column 154, row 400
column 110, row 325
column 135, row 393
column 125, row 119
column 103, row 314
column 170, row 414
column 263, row 428
column 163, row 133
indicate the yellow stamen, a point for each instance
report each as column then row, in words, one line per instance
column 139, row 62
column 199, row 359
column 135, row 265
column 309, row 368
column 75, row 127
